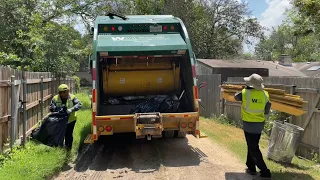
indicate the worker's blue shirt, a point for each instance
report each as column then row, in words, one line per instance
column 253, row 127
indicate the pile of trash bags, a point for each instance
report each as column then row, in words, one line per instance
column 52, row 130
column 162, row 104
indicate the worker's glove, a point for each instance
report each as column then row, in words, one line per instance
column 61, row 111
column 69, row 111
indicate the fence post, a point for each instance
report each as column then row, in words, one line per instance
column 53, row 85
column 292, row 91
column 24, row 99
column 41, row 96
column 12, row 118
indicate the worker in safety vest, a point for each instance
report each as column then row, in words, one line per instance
column 64, row 98
column 254, row 111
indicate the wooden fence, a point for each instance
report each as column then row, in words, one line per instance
column 40, row 88
column 309, row 90
column 210, row 95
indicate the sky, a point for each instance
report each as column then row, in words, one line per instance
column 270, row 13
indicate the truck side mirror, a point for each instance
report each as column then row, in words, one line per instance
column 91, row 31
column 90, row 63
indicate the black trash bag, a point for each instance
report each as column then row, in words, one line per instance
column 52, row 130
column 169, row 105
column 162, row 104
column 151, row 105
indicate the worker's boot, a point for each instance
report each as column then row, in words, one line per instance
column 265, row 175
column 251, row 172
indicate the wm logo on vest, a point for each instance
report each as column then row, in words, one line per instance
column 256, row 101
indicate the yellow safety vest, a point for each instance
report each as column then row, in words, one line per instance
column 69, row 104
column 253, row 105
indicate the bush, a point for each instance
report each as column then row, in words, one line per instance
column 84, row 82
column 77, row 83
column 274, row 116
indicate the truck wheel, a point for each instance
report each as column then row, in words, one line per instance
column 168, row 134
column 180, row 134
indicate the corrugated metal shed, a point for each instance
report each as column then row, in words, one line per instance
column 304, row 66
column 274, row 68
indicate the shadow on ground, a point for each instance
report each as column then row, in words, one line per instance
column 125, row 151
column 275, row 176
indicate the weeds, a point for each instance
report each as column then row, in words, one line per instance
column 274, row 116
column 315, row 157
column 223, row 119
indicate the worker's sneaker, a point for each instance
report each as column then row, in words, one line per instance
column 248, row 171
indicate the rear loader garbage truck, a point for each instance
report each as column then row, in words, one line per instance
column 144, row 79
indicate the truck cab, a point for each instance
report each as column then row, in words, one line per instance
column 144, row 79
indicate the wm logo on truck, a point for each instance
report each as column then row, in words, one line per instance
column 117, row 38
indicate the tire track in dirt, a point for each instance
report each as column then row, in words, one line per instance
column 124, row 157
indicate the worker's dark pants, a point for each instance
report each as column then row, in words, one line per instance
column 254, row 156
column 69, row 134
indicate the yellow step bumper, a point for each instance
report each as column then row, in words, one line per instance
column 203, row 135
column 89, row 139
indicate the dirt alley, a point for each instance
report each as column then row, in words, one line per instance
column 124, row 157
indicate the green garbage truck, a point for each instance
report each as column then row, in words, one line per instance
column 144, row 78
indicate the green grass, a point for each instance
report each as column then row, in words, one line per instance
column 81, row 130
column 233, row 139
column 37, row 161
column 85, row 100
column 34, row 162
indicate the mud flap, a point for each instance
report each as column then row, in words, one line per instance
column 199, row 135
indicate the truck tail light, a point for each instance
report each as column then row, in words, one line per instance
column 113, row 28
column 190, row 125
column 100, row 128
column 108, row 128
column 183, row 125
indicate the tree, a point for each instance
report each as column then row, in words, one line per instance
column 309, row 9
column 292, row 37
column 40, row 33
column 217, row 27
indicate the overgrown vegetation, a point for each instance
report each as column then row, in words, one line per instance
column 37, row 161
column 233, row 139
column 273, row 116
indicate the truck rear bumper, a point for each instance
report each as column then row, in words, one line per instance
column 108, row 125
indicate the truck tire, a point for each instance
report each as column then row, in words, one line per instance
column 168, row 134
column 180, row 134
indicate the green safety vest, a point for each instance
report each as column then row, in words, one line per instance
column 253, row 105
column 57, row 100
